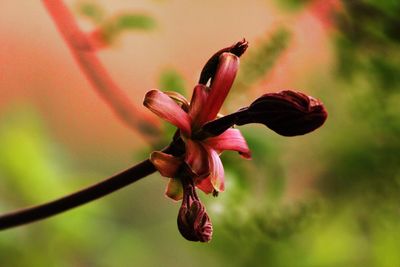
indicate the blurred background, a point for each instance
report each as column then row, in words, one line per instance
column 329, row 198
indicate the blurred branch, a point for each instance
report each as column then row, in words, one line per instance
column 84, row 53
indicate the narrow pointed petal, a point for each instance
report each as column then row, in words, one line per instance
column 197, row 103
column 220, row 86
column 217, row 175
column 231, row 139
column 166, row 108
column 197, row 158
column 174, row 189
column 166, row 164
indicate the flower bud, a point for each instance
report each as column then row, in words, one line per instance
column 288, row 113
column 193, row 221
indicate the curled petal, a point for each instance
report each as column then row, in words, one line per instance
column 174, row 189
column 178, row 98
column 166, row 164
column 231, row 139
column 288, row 113
column 217, row 175
column 197, row 158
column 210, row 67
column 220, row 86
column 166, row 108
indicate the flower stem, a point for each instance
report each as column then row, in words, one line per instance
column 85, row 55
column 78, row 198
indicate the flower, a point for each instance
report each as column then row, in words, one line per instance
column 205, row 136
column 202, row 154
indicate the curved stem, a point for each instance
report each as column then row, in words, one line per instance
column 97, row 74
column 83, row 196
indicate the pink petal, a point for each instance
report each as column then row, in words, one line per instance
column 174, row 189
column 205, row 185
column 217, row 175
column 166, row 108
column 231, row 139
column 197, row 103
column 197, row 157
column 166, row 164
column 221, row 84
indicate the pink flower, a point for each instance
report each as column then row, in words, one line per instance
column 202, row 154
column 205, row 136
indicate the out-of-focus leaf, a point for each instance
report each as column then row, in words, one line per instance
column 134, row 22
column 266, row 156
column 292, row 5
column 370, row 41
column 25, row 155
column 262, row 57
column 91, row 10
column 112, row 28
column 172, row 80
column 33, row 169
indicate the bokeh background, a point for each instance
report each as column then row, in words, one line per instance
column 329, row 198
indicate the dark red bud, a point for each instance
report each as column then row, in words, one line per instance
column 194, row 223
column 288, row 113
column 210, row 67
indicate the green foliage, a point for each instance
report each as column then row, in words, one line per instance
column 109, row 28
column 172, row 80
column 91, row 11
column 134, row 22
column 292, row 5
column 33, row 170
column 267, row 161
column 262, row 58
column 370, row 41
column 113, row 27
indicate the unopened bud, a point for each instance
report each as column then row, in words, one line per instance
column 193, row 221
column 288, row 113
